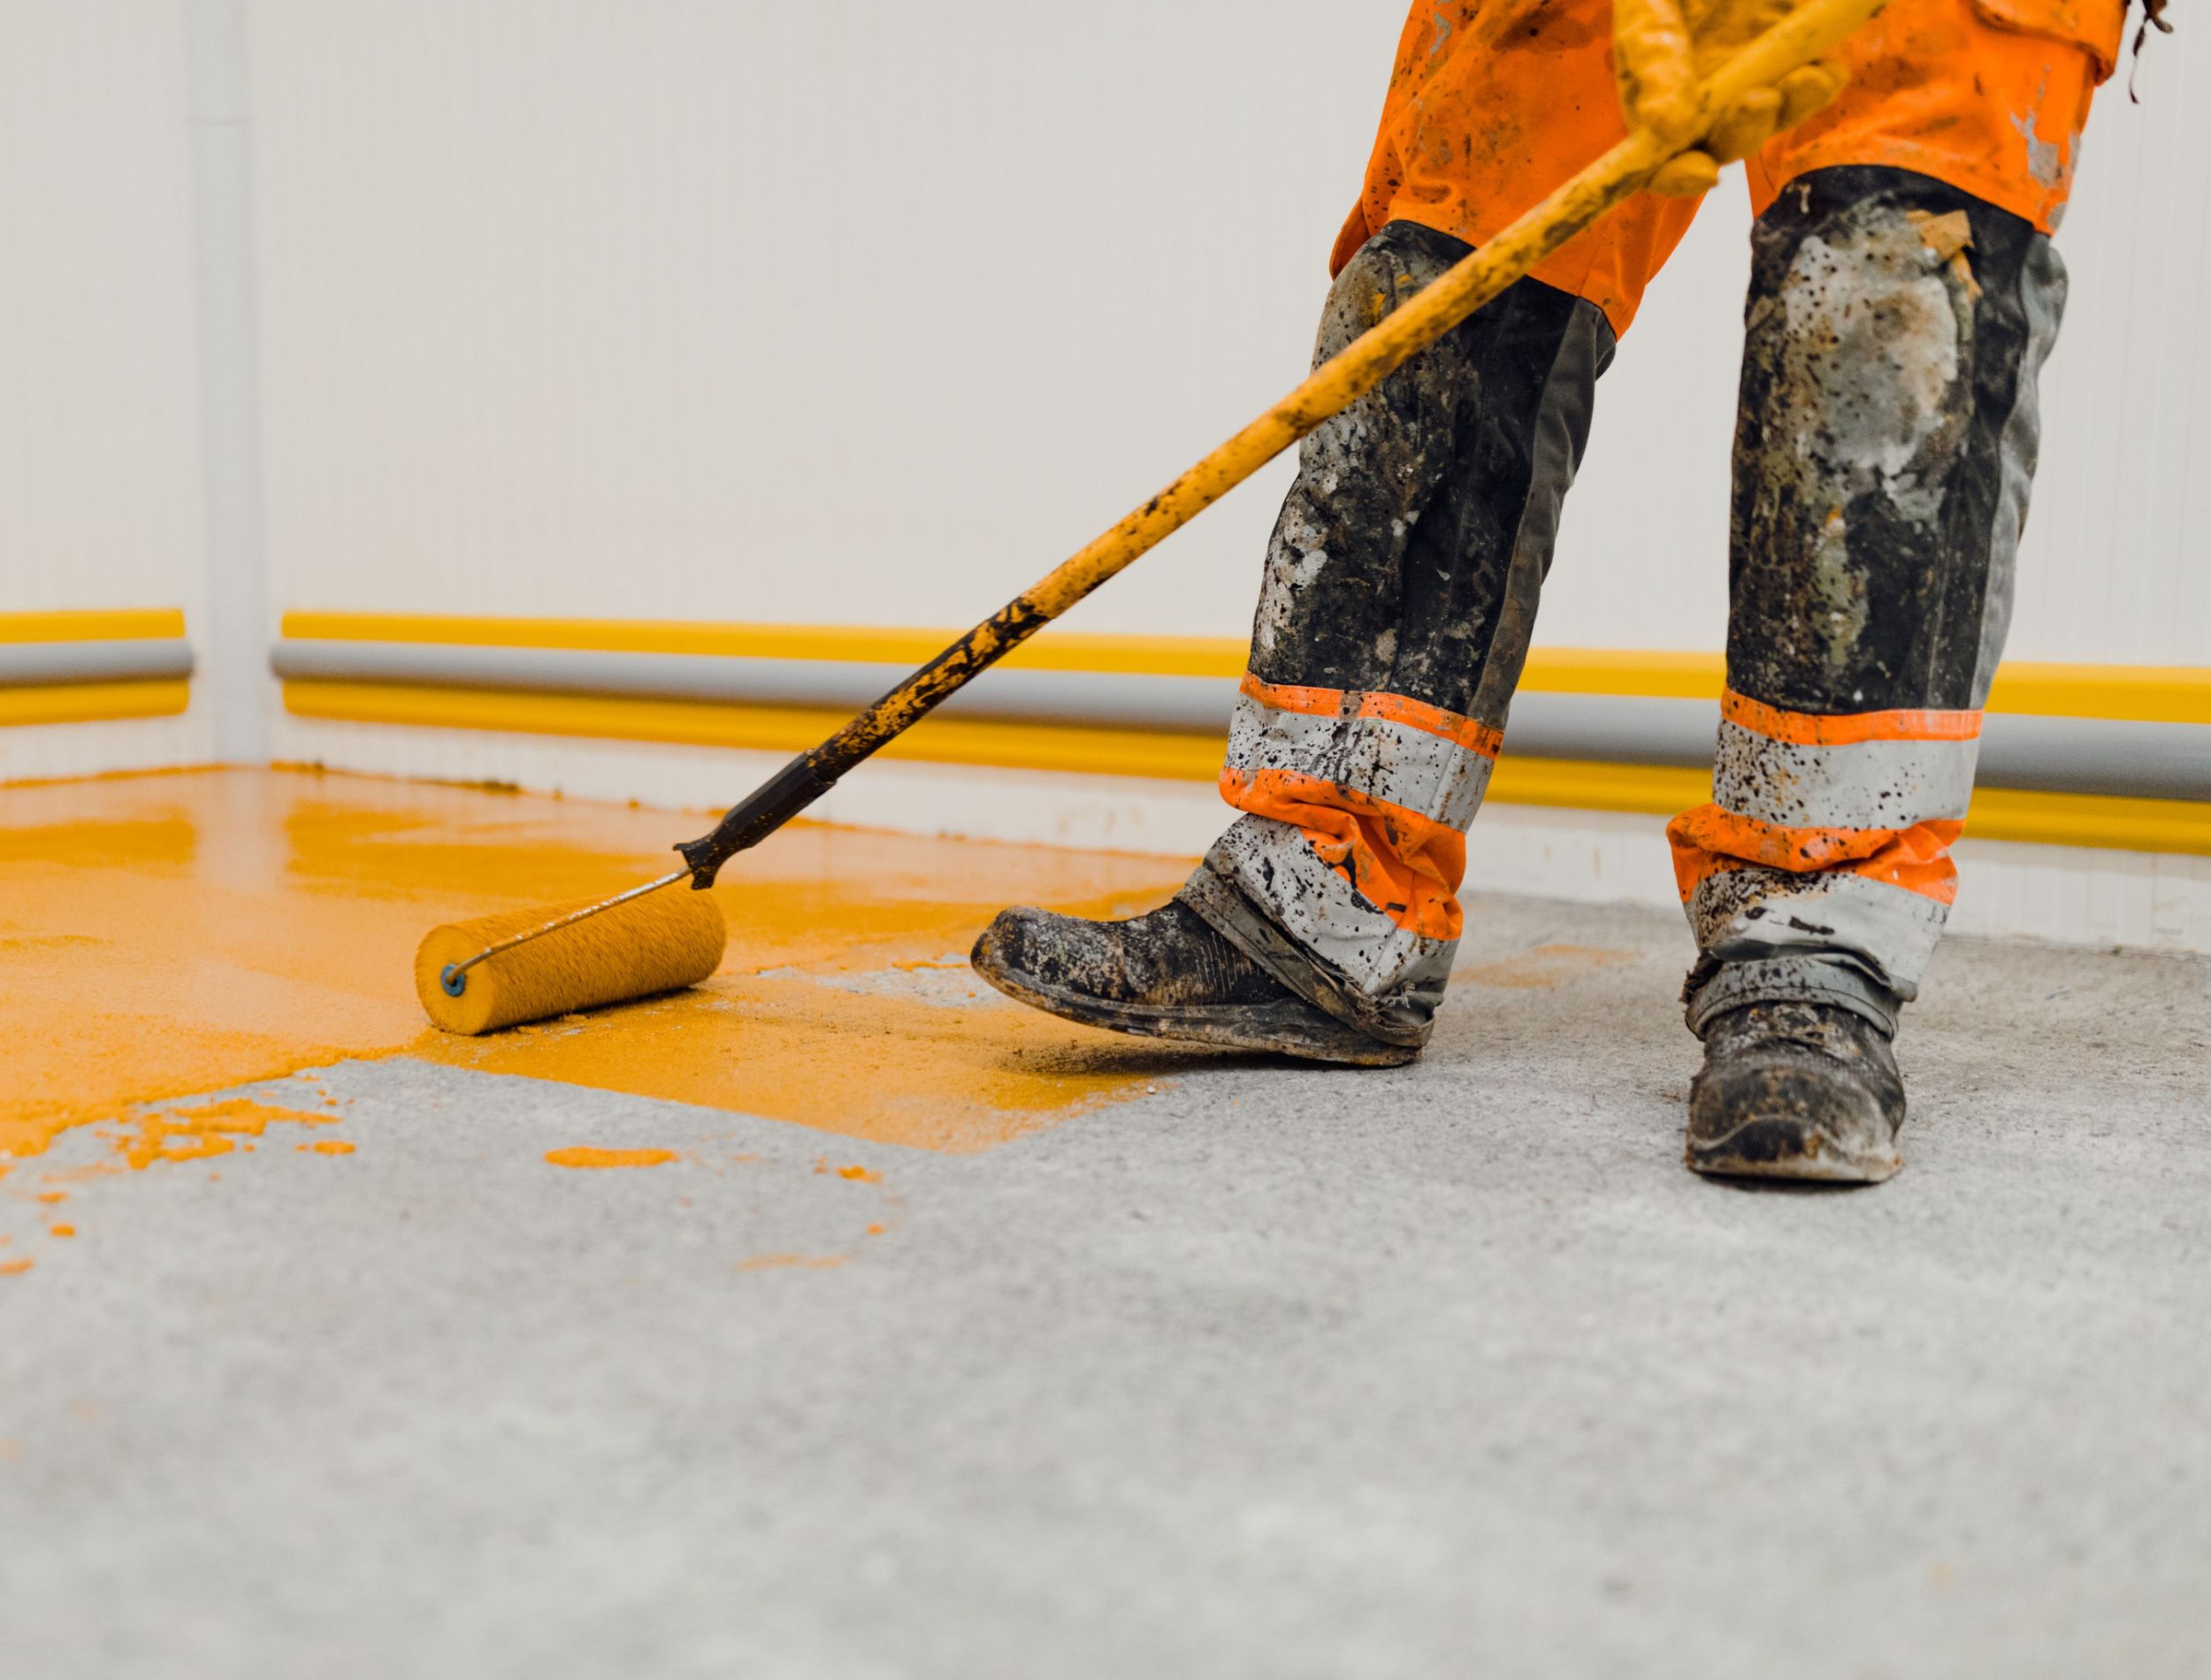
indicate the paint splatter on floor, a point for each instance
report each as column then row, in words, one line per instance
column 169, row 934
column 199, row 1132
column 585, row 1157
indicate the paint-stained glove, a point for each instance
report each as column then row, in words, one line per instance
column 1662, row 49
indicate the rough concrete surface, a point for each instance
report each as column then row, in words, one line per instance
column 1274, row 1371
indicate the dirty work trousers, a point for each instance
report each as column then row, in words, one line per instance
column 1904, row 295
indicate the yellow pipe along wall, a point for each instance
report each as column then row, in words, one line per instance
column 2175, row 698
column 88, row 666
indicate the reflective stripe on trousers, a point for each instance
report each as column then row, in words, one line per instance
column 1828, row 837
column 1401, row 587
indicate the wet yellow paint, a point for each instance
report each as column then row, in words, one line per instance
column 14, row 1268
column 166, row 935
column 330, row 1146
column 581, row 1156
column 197, row 1132
column 61, row 1231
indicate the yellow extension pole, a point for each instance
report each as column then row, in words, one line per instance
column 1811, row 31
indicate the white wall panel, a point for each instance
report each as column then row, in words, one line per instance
column 853, row 311
column 859, row 311
column 99, row 486
column 98, row 502
column 2114, row 566
column 98, row 464
column 864, row 313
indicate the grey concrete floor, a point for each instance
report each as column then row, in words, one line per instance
column 1444, row 1370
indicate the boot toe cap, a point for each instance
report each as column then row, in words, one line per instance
column 1040, row 949
column 1790, row 1118
column 1009, row 945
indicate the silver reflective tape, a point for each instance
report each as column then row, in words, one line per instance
column 1740, row 915
column 1867, row 785
column 1371, row 755
column 129, row 659
column 1276, row 868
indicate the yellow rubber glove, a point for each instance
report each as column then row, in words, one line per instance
column 1662, row 49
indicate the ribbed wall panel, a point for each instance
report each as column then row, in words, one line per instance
column 867, row 312
column 862, row 312
column 2114, row 564
column 2112, row 567
column 98, row 435
column 859, row 312
column 99, row 462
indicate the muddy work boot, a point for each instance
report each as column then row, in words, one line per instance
column 1796, row 1090
column 1164, row 975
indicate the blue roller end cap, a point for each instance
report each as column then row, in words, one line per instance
column 453, row 980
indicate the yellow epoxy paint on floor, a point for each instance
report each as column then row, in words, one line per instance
column 167, row 934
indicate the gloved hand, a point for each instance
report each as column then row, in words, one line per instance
column 1662, row 49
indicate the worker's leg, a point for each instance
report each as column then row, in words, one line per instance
column 1401, row 582
column 1401, row 588
column 1887, row 439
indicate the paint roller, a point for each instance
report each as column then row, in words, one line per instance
column 498, row 971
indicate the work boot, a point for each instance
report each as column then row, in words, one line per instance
column 1164, row 975
column 1796, row 1090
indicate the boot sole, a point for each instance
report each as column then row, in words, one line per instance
column 1288, row 1029
column 1780, row 1149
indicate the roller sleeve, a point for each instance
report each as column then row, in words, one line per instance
column 656, row 943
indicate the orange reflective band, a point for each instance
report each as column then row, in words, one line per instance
column 1288, row 696
column 1708, row 840
column 1847, row 728
column 1407, row 866
column 1391, row 708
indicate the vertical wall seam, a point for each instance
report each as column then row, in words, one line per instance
column 239, row 626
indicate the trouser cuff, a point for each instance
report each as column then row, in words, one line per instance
column 1230, row 911
column 1713, row 988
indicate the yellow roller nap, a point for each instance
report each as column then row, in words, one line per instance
column 656, row 943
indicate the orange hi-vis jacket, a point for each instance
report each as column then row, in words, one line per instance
column 1494, row 103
